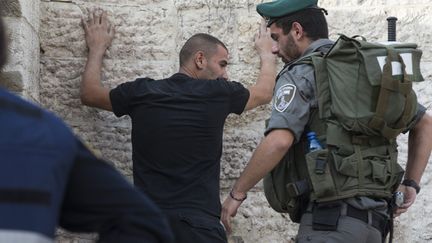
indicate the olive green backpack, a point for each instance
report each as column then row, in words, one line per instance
column 365, row 100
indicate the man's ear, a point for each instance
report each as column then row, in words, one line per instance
column 200, row 60
column 297, row 30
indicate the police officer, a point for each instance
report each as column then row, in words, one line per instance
column 48, row 178
column 298, row 29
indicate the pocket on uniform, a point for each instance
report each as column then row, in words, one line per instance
column 374, row 169
column 319, row 174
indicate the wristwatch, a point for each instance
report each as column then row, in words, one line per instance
column 411, row 183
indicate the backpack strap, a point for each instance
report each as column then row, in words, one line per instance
column 389, row 85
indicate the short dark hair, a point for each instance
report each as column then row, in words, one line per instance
column 3, row 43
column 312, row 20
column 199, row 42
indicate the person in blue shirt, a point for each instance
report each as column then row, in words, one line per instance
column 48, row 178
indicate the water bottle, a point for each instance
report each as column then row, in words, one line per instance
column 314, row 144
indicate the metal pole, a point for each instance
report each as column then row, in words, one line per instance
column 391, row 28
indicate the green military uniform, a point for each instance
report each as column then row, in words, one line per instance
column 294, row 100
column 294, row 95
column 360, row 219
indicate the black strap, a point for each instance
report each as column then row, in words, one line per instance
column 390, row 226
column 297, row 188
column 320, row 165
column 325, row 216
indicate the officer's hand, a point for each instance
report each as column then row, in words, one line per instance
column 410, row 195
column 99, row 32
column 229, row 209
column 264, row 42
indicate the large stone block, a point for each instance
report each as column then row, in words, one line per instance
column 12, row 81
column 26, row 9
column 426, row 68
column 111, row 143
column 61, row 78
column 216, row 4
column 220, row 23
column 141, row 33
column 31, row 13
column 368, row 3
column 11, row 8
column 23, row 52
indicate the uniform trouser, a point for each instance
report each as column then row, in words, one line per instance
column 349, row 229
column 195, row 227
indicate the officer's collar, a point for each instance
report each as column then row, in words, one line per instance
column 314, row 46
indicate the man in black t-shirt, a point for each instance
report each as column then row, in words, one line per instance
column 177, row 123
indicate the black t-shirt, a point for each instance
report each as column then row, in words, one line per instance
column 177, row 126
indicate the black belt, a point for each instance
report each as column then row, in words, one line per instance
column 325, row 216
column 378, row 221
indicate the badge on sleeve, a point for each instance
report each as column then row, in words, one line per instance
column 284, row 96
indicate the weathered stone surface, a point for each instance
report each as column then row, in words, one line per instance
column 25, row 9
column 257, row 222
column 31, row 13
column 11, row 8
column 216, row 4
column 136, row 38
column 12, row 81
column 23, row 52
column 368, row 3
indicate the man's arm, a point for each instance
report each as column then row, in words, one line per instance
column 261, row 93
column 266, row 156
column 99, row 35
column 419, row 150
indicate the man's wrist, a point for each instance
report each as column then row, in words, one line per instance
column 411, row 183
column 240, row 197
column 268, row 58
column 97, row 52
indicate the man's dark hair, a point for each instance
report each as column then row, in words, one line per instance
column 3, row 46
column 312, row 20
column 199, row 42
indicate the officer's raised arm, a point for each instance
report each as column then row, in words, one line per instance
column 261, row 92
column 99, row 34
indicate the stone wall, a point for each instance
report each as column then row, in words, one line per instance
column 21, row 74
column 149, row 36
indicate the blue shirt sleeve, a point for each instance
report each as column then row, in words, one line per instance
column 99, row 199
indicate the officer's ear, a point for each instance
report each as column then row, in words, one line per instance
column 200, row 60
column 297, row 30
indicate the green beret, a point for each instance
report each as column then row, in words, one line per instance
column 279, row 8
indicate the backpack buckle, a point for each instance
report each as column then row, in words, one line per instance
column 297, row 188
column 320, row 165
